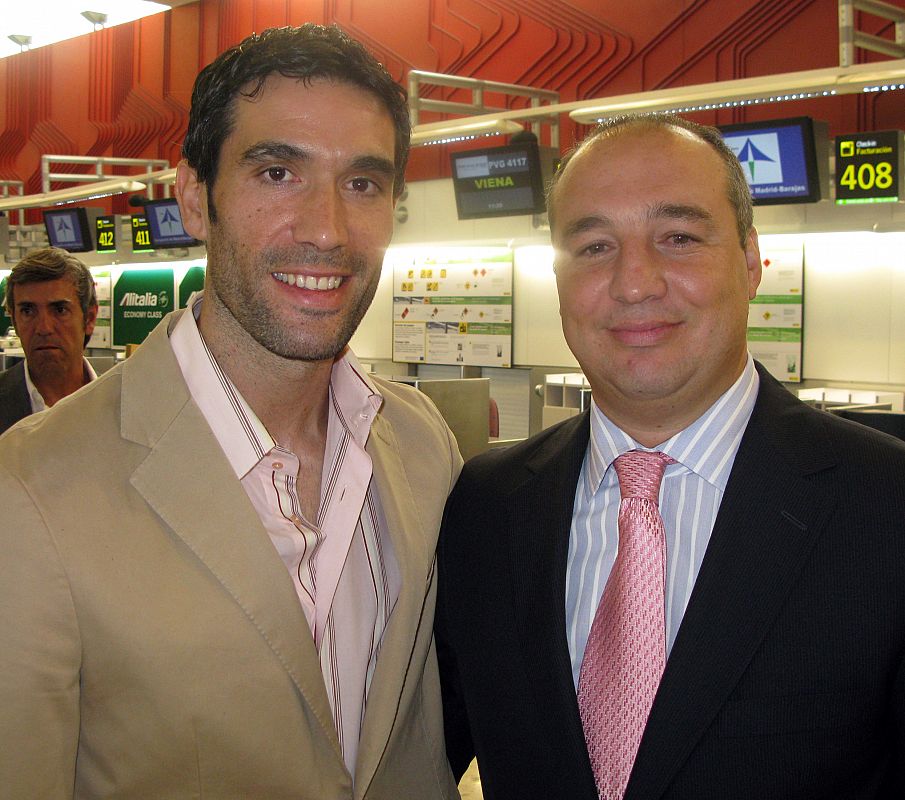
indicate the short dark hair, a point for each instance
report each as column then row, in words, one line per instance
column 51, row 264
column 306, row 52
column 738, row 191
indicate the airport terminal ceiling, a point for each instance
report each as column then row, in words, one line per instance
column 124, row 91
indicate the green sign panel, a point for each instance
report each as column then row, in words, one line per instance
column 192, row 282
column 868, row 167
column 105, row 228
column 141, row 298
column 141, row 235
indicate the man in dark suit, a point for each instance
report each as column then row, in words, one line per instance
column 782, row 587
column 50, row 297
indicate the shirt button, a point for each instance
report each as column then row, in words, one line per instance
column 277, row 465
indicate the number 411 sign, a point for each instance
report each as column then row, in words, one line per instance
column 869, row 167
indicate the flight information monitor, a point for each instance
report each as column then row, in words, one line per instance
column 165, row 225
column 68, row 229
column 498, row 181
column 784, row 160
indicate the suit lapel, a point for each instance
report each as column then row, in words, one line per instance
column 413, row 548
column 14, row 400
column 537, row 527
column 187, row 481
column 768, row 522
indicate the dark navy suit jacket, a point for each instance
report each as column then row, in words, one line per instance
column 14, row 400
column 787, row 677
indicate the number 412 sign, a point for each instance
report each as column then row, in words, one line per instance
column 869, row 167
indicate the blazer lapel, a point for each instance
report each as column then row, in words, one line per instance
column 188, row 482
column 537, row 526
column 414, row 549
column 768, row 522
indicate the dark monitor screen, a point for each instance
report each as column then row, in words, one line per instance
column 782, row 159
column 165, row 225
column 498, row 181
column 68, row 229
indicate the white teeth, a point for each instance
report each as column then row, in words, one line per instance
column 309, row 281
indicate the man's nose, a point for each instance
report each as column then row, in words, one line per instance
column 638, row 273
column 44, row 322
column 321, row 219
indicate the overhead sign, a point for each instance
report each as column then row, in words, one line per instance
column 141, row 298
column 105, row 228
column 141, row 235
column 869, row 167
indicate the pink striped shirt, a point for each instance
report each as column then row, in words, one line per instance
column 341, row 564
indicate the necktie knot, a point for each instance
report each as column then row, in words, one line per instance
column 640, row 473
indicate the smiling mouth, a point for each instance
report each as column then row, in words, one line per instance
column 320, row 284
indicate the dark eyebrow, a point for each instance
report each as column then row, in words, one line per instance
column 381, row 166
column 585, row 224
column 271, row 150
column 677, row 211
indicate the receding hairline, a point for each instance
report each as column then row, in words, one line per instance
column 653, row 125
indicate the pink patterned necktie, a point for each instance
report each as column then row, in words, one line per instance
column 626, row 651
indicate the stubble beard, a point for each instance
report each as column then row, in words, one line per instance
column 241, row 285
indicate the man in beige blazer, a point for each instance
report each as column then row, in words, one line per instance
column 153, row 643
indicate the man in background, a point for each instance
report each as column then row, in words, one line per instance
column 51, row 300
column 224, row 587
column 694, row 589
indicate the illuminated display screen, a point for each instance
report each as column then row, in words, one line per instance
column 780, row 159
column 498, row 181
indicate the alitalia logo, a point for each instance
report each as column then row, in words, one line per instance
column 146, row 299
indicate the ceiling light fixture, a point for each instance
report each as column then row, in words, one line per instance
column 461, row 130
column 96, row 18
column 804, row 85
column 20, row 39
column 50, row 21
column 72, row 194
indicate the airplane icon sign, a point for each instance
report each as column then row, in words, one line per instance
column 168, row 223
column 64, row 231
column 759, row 156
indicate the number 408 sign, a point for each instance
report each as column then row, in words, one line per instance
column 869, row 167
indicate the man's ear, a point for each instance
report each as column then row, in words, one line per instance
column 192, row 197
column 752, row 263
column 90, row 320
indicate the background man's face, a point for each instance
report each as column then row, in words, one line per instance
column 304, row 213
column 653, row 283
column 51, row 325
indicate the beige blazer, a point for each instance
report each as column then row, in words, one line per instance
column 151, row 642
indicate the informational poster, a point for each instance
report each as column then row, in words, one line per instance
column 452, row 305
column 775, row 316
column 102, row 336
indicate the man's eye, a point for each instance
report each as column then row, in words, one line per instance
column 363, row 185
column 277, row 174
column 682, row 238
column 594, row 249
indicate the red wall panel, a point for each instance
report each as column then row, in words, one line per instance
column 126, row 91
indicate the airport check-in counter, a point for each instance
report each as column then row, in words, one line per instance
column 464, row 404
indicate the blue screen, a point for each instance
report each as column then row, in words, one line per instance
column 67, row 229
column 777, row 161
column 165, row 225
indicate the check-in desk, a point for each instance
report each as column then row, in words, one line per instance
column 464, row 404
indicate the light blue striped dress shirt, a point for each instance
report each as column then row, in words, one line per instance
column 690, row 497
